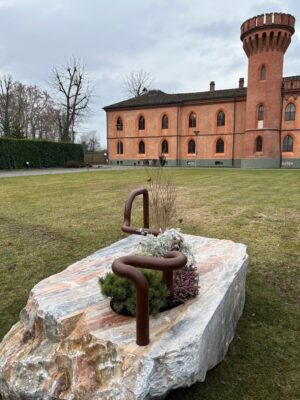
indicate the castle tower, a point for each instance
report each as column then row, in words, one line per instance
column 265, row 40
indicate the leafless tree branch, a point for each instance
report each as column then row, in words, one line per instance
column 74, row 94
column 136, row 82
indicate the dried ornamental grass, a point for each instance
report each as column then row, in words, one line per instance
column 163, row 196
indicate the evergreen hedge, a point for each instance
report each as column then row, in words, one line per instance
column 15, row 153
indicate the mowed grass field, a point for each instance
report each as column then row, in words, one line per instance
column 48, row 222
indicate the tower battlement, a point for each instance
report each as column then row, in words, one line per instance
column 267, row 32
column 269, row 20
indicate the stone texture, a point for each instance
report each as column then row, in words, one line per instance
column 69, row 344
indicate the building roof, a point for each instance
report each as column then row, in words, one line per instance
column 159, row 98
column 153, row 98
column 292, row 78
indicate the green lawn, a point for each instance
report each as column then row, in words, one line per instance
column 48, row 222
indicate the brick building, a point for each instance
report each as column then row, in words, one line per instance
column 257, row 126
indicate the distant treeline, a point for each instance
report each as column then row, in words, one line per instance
column 27, row 111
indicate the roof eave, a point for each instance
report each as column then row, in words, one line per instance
column 175, row 103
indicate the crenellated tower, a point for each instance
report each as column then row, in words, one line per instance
column 265, row 40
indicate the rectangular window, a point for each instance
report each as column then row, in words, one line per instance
column 260, row 124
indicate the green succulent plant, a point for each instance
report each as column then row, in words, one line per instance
column 123, row 294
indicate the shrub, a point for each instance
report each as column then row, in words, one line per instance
column 72, row 164
column 123, row 293
column 16, row 153
column 186, row 285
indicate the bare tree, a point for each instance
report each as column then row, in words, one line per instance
column 136, row 82
column 36, row 104
column 47, row 123
column 41, row 115
column 74, row 94
column 19, row 111
column 6, row 87
column 90, row 141
column 26, row 111
column 13, row 103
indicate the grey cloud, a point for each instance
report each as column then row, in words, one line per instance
column 217, row 29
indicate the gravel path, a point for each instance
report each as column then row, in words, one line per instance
column 33, row 172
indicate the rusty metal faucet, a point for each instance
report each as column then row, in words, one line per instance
column 127, row 214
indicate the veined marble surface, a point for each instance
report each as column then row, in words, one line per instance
column 69, row 344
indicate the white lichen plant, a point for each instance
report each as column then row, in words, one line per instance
column 158, row 246
column 186, row 282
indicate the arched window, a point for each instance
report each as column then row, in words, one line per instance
column 119, row 124
column 288, row 144
column 263, row 73
column 260, row 113
column 220, row 146
column 120, row 147
column 141, row 123
column 165, row 122
column 164, row 147
column 191, row 147
column 192, row 120
column 221, row 118
column 290, row 112
column 141, row 147
column 258, row 144
column 271, row 40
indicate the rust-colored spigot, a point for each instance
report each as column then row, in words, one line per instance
column 127, row 214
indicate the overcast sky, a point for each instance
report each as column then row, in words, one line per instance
column 184, row 44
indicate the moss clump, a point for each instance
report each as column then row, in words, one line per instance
column 123, row 294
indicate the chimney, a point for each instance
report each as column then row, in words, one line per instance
column 212, row 86
column 241, row 83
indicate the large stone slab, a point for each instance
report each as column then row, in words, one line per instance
column 69, row 344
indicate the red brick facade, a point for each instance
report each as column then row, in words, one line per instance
column 257, row 126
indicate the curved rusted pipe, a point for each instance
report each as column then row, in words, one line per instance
column 173, row 260
column 123, row 269
column 127, row 214
column 126, row 268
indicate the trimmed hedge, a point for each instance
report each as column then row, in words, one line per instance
column 15, row 153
